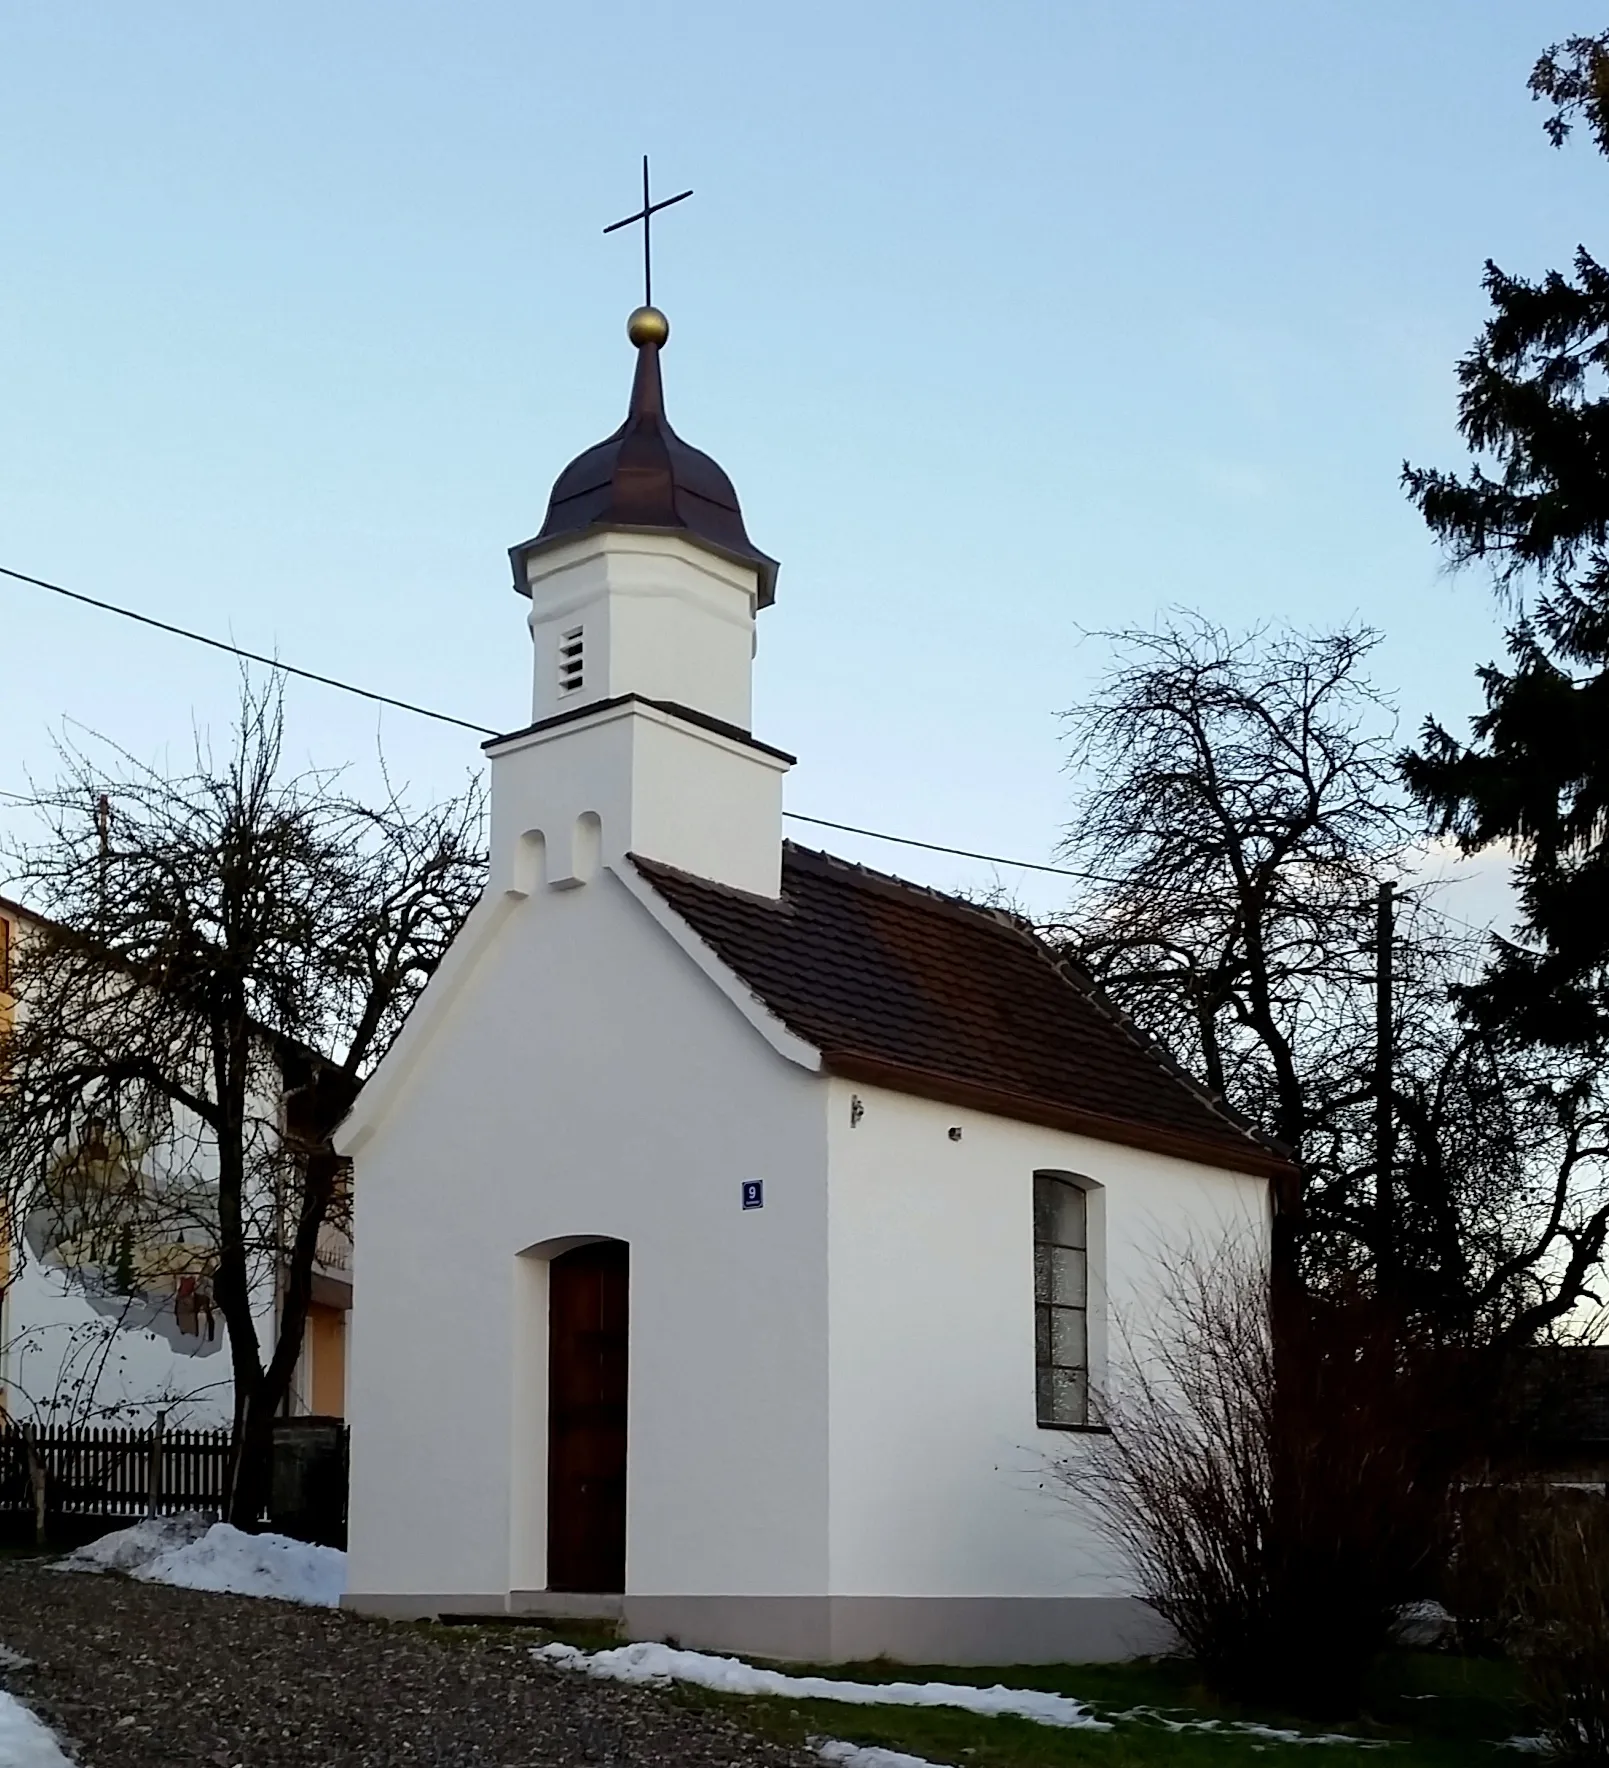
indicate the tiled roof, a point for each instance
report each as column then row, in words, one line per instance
column 898, row 985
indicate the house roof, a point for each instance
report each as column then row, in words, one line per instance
column 19, row 909
column 280, row 1043
column 900, row 986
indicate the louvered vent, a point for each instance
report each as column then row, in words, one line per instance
column 571, row 665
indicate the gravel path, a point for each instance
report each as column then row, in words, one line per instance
column 135, row 1674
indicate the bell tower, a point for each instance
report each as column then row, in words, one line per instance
column 645, row 590
column 643, row 578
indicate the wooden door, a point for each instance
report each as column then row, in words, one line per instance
column 587, row 1321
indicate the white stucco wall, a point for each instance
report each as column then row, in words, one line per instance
column 633, row 779
column 72, row 1354
column 940, row 1475
column 65, row 1359
column 830, row 1396
column 657, row 614
column 73, row 1351
column 587, row 1079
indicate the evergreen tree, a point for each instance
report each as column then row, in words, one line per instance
column 1534, row 507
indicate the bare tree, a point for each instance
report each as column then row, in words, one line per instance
column 224, row 955
column 1239, row 802
column 1502, row 1180
column 79, row 1360
column 1240, row 806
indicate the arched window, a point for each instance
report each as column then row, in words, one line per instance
column 1061, row 1300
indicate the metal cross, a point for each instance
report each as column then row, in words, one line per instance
column 649, row 208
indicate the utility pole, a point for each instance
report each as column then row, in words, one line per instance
column 103, row 828
column 1385, row 1125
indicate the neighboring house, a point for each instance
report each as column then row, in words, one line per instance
column 106, row 1306
column 320, row 1384
column 1566, row 1417
column 747, row 1237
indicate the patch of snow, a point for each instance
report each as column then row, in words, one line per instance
column 854, row 1755
column 226, row 1559
column 1248, row 1728
column 194, row 1553
column 1423, row 1626
column 1245, row 1728
column 129, row 1549
column 650, row 1662
column 24, row 1741
column 14, row 1660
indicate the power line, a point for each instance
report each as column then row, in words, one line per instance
column 347, row 687
column 218, row 644
column 330, row 681
column 994, row 859
column 1416, row 894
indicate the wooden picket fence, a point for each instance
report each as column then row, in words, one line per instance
column 112, row 1473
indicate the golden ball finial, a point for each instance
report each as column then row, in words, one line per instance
column 647, row 326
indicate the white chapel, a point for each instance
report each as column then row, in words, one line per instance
column 745, row 1237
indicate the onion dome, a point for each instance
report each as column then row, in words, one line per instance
column 645, row 477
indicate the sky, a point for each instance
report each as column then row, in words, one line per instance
column 1012, row 323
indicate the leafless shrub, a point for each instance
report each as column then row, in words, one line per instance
column 1530, row 1578
column 1278, row 1495
column 1563, row 1635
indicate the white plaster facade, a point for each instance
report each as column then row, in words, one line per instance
column 942, row 1482
column 77, row 1351
column 833, row 1449
column 670, row 622
column 832, row 1398
column 457, row 1203
column 65, row 1358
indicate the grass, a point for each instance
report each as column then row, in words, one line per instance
column 1428, row 1711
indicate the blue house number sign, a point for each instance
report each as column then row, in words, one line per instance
column 754, row 1193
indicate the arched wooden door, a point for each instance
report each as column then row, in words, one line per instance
column 587, row 1341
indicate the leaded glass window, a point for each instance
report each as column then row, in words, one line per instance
column 1061, row 1300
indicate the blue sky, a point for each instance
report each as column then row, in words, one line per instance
column 1010, row 322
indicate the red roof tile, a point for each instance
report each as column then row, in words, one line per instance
column 901, row 986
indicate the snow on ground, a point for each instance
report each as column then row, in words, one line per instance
column 648, row 1662
column 193, row 1554
column 1243, row 1728
column 129, row 1549
column 854, row 1755
column 663, row 1663
column 24, row 1741
column 253, row 1565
